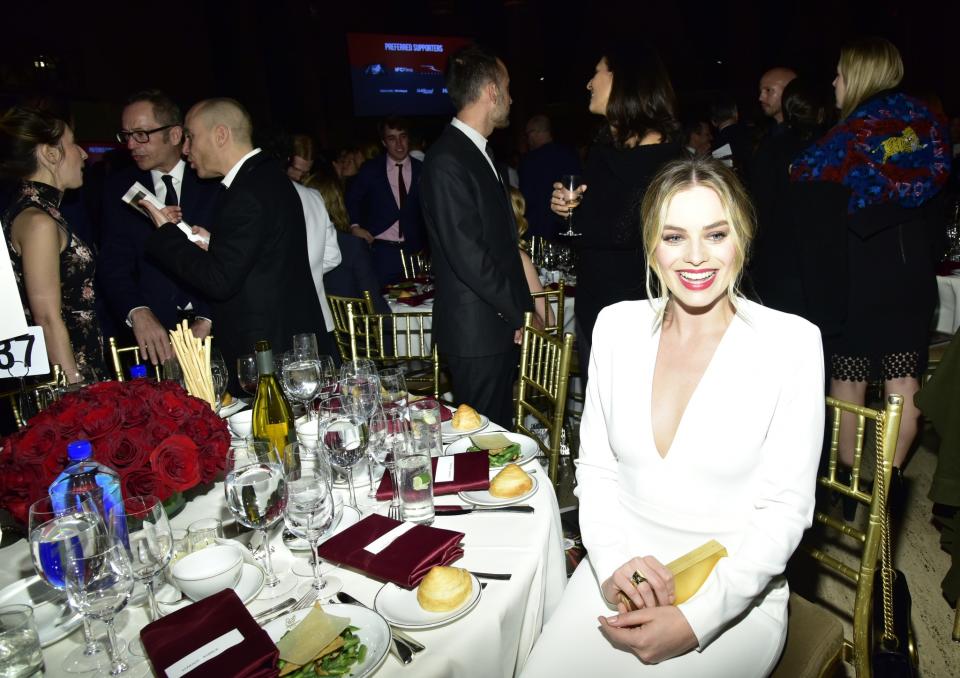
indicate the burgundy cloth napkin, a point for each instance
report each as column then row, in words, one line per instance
column 171, row 638
column 947, row 268
column 404, row 562
column 568, row 290
column 471, row 471
column 416, row 299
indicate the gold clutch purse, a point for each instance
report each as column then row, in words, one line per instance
column 690, row 571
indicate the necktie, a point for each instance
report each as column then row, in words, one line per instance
column 171, row 197
column 403, row 196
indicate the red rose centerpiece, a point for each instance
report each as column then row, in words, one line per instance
column 159, row 439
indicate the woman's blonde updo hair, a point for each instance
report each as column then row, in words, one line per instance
column 679, row 176
column 868, row 66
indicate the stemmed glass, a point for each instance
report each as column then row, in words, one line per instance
column 140, row 524
column 220, row 375
column 247, row 373
column 301, row 378
column 255, row 493
column 572, row 195
column 55, row 531
column 390, row 441
column 344, row 435
column 99, row 582
column 306, row 344
column 362, row 395
column 393, row 387
column 357, row 368
column 310, row 509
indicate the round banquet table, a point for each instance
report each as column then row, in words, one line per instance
column 494, row 639
column 948, row 312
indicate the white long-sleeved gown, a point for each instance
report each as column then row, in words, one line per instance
column 741, row 470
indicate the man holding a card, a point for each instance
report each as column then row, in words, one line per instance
column 138, row 291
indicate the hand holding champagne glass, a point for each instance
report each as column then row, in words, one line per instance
column 570, row 194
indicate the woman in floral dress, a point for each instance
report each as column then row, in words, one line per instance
column 53, row 266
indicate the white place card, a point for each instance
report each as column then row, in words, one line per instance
column 24, row 355
column 384, row 540
column 444, row 473
column 215, row 647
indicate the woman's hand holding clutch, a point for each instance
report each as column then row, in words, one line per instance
column 645, row 581
column 653, row 634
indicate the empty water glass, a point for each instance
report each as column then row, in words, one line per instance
column 19, row 642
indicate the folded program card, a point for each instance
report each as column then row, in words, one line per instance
column 690, row 571
column 490, row 441
column 139, row 192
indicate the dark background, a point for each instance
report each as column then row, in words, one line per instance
column 287, row 59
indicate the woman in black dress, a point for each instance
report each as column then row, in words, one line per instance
column 631, row 89
column 54, row 268
column 874, row 178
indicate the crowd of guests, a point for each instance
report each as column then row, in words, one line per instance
column 833, row 214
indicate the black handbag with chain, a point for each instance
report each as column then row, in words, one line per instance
column 891, row 596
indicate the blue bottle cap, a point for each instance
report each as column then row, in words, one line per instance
column 138, row 371
column 79, row 450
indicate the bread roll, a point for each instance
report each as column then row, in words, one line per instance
column 444, row 589
column 512, row 481
column 465, row 418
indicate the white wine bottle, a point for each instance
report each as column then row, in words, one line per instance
column 273, row 420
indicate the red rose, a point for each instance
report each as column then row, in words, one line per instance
column 123, row 450
column 213, row 455
column 133, row 412
column 100, row 420
column 176, row 461
column 20, row 486
column 38, row 441
column 159, row 429
column 173, row 406
column 69, row 423
column 144, row 481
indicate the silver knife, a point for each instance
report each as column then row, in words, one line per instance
column 453, row 510
column 276, row 608
column 400, row 647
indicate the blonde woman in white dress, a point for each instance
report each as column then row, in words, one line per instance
column 703, row 420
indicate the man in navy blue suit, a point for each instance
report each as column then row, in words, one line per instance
column 140, row 294
column 384, row 202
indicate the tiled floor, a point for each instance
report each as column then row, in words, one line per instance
column 918, row 554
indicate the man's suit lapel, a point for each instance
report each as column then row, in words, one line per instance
column 482, row 166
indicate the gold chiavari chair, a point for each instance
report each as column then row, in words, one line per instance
column 815, row 641
column 38, row 396
column 116, row 360
column 414, row 265
column 339, row 307
column 554, row 302
column 542, row 388
column 395, row 339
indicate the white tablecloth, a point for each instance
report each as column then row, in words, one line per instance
column 948, row 313
column 494, row 639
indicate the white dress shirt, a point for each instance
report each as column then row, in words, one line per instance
column 160, row 188
column 322, row 248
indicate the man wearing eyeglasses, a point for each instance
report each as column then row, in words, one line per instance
column 138, row 292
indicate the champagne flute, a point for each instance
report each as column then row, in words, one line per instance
column 99, row 582
column 389, row 442
column 55, row 531
column 310, row 509
column 140, row 524
column 255, row 494
column 344, row 436
column 247, row 373
column 572, row 195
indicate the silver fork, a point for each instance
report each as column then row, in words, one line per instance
column 306, row 600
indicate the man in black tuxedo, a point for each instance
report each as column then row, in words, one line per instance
column 481, row 290
column 139, row 293
column 256, row 272
column 383, row 201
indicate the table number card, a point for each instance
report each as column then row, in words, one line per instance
column 24, row 355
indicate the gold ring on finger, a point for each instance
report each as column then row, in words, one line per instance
column 637, row 578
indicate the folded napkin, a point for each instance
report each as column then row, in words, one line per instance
column 404, row 561
column 471, row 471
column 416, row 299
column 184, row 643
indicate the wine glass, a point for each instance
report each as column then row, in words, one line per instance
column 255, row 491
column 247, row 373
column 140, row 524
column 363, row 397
column 99, row 582
column 390, row 441
column 55, row 531
column 301, row 378
column 572, row 195
column 220, row 376
column 357, row 368
column 344, row 435
column 306, row 344
column 310, row 509
column 393, row 386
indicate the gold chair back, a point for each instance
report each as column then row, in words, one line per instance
column 414, row 264
column 398, row 338
column 339, row 308
column 118, row 354
column 554, row 304
column 542, row 388
column 39, row 395
column 885, row 426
